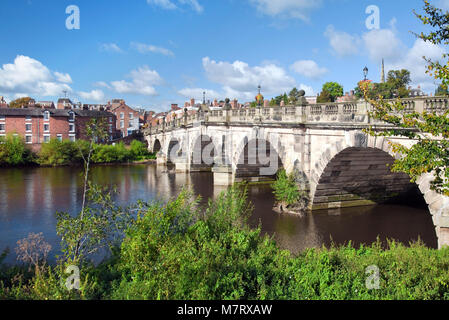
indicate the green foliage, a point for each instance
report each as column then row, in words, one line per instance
column 277, row 100
column 99, row 225
column 57, row 153
column 14, row 152
column 179, row 251
column 334, row 89
column 285, row 189
column 395, row 87
column 442, row 91
column 431, row 130
column 293, row 96
column 324, row 97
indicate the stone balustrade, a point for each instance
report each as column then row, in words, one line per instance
column 347, row 112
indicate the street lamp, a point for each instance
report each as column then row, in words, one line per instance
column 365, row 72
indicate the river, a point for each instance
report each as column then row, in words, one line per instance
column 30, row 197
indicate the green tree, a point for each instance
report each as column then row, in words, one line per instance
column 285, row 189
column 18, row 103
column 324, row 97
column 14, row 151
column 398, row 81
column 334, row 89
column 431, row 130
column 293, row 96
column 441, row 91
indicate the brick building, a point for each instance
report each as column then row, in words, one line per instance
column 38, row 125
column 128, row 119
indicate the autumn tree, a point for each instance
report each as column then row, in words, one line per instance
column 19, row 103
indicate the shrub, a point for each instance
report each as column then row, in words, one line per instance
column 14, row 151
column 285, row 189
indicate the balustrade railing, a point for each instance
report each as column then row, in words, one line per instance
column 355, row 112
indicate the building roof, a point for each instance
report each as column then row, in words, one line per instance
column 64, row 100
column 38, row 112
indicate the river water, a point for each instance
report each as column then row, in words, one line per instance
column 30, row 197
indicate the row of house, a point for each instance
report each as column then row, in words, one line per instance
column 37, row 125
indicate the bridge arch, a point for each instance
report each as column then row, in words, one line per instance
column 203, row 153
column 358, row 172
column 256, row 159
column 157, row 146
column 174, row 150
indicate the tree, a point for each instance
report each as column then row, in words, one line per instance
column 430, row 154
column 324, row 97
column 397, row 81
column 335, row 90
column 18, row 103
column 277, row 100
column 441, row 91
column 293, row 96
column 100, row 220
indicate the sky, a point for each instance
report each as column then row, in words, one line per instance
column 153, row 53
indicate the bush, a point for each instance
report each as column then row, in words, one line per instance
column 285, row 189
column 57, row 153
column 14, row 151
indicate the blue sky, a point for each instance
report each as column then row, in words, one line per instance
column 156, row 52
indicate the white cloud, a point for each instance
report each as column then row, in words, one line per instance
column 413, row 61
column 145, row 48
column 95, row 95
column 170, row 4
column 142, row 82
column 309, row 69
column 63, row 77
column 110, row 47
column 383, row 43
column 241, row 80
column 102, row 84
column 342, row 43
column 27, row 76
column 299, row 9
column 197, row 93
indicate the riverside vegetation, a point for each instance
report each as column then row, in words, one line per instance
column 179, row 250
column 14, row 152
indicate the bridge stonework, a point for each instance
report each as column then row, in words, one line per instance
column 325, row 144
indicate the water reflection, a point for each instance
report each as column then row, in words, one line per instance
column 30, row 197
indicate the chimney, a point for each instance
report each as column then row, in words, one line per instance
column 174, row 106
column 192, row 102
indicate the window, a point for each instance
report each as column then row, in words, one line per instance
column 46, row 127
column 122, row 124
column 2, row 118
column 2, row 127
column 71, row 116
column 46, row 138
column 131, row 115
column 28, row 139
column 46, row 116
column 72, row 138
column 130, row 124
column 110, row 128
column 28, row 127
column 110, row 119
column 122, row 115
column 59, row 137
column 28, row 118
column 71, row 127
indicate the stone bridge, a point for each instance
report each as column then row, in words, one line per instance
column 336, row 162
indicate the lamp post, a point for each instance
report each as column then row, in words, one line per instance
column 365, row 72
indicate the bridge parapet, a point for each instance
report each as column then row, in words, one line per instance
column 346, row 112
